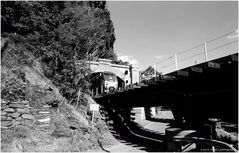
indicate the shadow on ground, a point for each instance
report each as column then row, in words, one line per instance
column 161, row 120
column 132, row 134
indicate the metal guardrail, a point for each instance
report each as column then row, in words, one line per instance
column 228, row 43
column 220, row 146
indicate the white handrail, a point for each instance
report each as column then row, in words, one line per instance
column 205, row 50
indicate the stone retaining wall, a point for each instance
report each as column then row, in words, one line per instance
column 42, row 117
column 21, row 113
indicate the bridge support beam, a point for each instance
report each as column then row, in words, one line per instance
column 147, row 112
column 138, row 113
column 177, row 111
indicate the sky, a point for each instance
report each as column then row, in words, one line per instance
column 149, row 31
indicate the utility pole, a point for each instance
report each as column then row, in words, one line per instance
column 176, row 61
column 205, row 51
column 155, row 71
column 131, row 73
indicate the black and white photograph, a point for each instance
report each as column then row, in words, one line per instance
column 119, row 76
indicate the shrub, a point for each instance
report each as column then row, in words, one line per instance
column 7, row 135
column 35, row 95
column 13, row 89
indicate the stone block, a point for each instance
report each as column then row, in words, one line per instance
column 46, row 106
column 44, row 112
column 16, row 122
column 16, row 105
column 6, row 123
column 40, row 109
column 25, row 102
column 3, row 106
column 23, row 110
column 3, row 102
column 27, row 122
column 27, row 106
column 3, row 117
column 41, row 116
column 3, row 113
column 44, row 120
column 14, row 115
column 6, row 118
column 27, row 116
column 19, row 119
column 43, row 125
column 8, row 110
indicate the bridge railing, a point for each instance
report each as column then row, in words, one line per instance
column 215, row 48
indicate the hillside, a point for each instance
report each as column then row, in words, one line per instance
column 44, row 91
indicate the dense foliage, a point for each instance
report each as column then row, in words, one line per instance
column 120, row 62
column 148, row 73
column 64, row 35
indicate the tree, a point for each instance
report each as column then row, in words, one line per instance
column 64, row 35
column 149, row 73
column 120, row 62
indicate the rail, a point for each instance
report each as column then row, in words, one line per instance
column 215, row 48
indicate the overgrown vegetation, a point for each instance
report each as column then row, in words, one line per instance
column 63, row 34
column 46, row 49
column 149, row 73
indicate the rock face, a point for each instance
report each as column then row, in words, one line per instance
column 21, row 112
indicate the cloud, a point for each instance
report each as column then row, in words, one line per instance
column 159, row 57
column 129, row 59
column 233, row 35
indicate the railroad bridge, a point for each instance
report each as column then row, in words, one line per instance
column 195, row 93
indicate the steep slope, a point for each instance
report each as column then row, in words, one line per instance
column 69, row 129
column 45, row 46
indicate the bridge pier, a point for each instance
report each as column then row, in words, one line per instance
column 147, row 112
column 178, row 113
column 138, row 113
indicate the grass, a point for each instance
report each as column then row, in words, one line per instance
column 22, row 78
column 61, row 138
